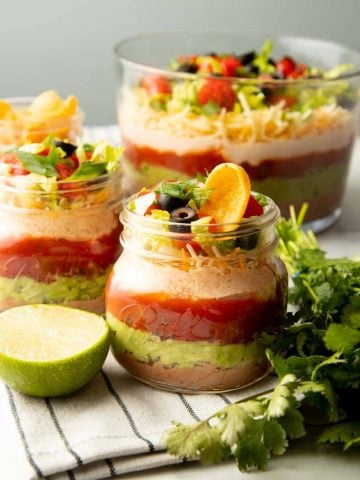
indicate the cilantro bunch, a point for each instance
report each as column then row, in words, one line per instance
column 316, row 356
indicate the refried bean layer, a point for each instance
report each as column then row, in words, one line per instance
column 197, row 379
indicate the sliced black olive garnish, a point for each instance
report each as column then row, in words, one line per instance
column 187, row 67
column 183, row 217
column 67, row 148
column 248, row 241
column 168, row 203
column 345, row 102
column 246, row 58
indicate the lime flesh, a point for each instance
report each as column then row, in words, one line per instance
column 50, row 350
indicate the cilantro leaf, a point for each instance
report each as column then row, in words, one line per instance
column 34, row 163
column 88, row 170
column 251, row 453
column 347, row 433
column 275, row 437
column 340, row 337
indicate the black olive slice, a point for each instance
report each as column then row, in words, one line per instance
column 187, row 67
column 182, row 217
column 248, row 241
column 168, row 203
column 246, row 58
column 67, row 148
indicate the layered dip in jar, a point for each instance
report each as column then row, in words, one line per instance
column 285, row 108
column 197, row 283
column 59, row 225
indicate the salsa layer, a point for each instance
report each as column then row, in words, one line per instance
column 231, row 320
column 202, row 162
column 44, row 258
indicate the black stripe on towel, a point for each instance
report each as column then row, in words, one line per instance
column 111, row 467
column 223, row 397
column 61, row 432
column 16, row 415
column 120, row 402
column 71, row 475
column 188, row 407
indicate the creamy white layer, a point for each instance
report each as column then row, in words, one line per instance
column 77, row 225
column 237, row 152
column 139, row 275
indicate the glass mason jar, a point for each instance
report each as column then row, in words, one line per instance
column 294, row 135
column 190, row 323
column 28, row 127
column 58, row 246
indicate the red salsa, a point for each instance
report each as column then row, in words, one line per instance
column 234, row 320
column 45, row 258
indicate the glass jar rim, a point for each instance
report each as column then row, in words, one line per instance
column 276, row 36
column 234, row 229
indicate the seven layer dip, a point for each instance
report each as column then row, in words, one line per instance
column 59, row 227
column 189, row 297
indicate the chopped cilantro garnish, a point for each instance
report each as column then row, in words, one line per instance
column 186, row 190
column 42, row 165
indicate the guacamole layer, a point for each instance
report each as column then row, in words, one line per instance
column 149, row 348
column 63, row 290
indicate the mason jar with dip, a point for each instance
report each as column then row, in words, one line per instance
column 197, row 283
column 59, row 225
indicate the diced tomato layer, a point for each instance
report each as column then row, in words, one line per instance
column 190, row 164
column 224, row 320
column 45, row 258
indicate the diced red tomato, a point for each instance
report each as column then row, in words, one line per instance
column 218, row 91
column 152, row 207
column 288, row 100
column 16, row 167
column 253, row 209
column 286, row 66
column 154, row 84
column 299, row 71
column 229, row 66
column 65, row 169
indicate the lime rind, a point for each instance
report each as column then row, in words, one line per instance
column 42, row 378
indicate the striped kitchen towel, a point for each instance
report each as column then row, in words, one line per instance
column 112, row 426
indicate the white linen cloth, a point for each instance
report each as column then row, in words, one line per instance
column 113, row 425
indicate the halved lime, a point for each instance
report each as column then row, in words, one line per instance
column 50, row 350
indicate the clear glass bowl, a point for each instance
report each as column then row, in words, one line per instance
column 30, row 128
column 293, row 154
column 186, row 319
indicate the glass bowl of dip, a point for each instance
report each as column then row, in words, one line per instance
column 188, row 302
column 283, row 107
column 32, row 119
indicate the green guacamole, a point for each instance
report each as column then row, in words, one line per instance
column 64, row 289
column 150, row 348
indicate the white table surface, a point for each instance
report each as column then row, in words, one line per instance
column 304, row 459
